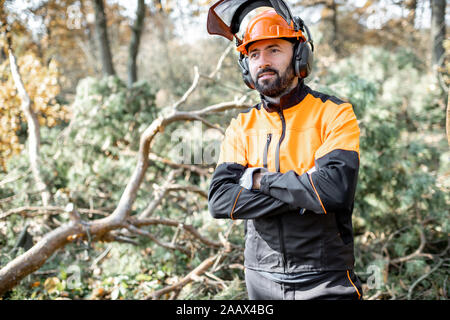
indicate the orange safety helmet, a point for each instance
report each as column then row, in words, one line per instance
column 268, row 25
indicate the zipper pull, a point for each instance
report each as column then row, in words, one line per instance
column 266, row 150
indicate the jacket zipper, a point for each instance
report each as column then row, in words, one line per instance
column 266, row 150
column 283, row 133
column 277, row 166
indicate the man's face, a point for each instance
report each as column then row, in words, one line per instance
column 270, row 64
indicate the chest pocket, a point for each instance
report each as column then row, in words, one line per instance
column 297, row 151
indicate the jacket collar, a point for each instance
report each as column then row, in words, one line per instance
column 290, row 99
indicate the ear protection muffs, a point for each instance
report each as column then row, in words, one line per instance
column 303, row 52
column 302, row 59
column 246, row 76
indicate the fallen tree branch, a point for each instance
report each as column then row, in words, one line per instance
column 200, row 269
column 159, row 195
column 10, row 178
column 34, row 258
column 190, row 188
column 49, row 210
column 417, row 253
column 189, row 228
column 174, row 165
column 100, row 257
column 191, row 276
column 147, row 234
column 422, row 278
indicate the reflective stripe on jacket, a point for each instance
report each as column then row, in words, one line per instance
column 300, row 219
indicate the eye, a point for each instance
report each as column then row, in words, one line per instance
column 253, row 55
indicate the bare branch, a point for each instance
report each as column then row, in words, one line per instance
column 212, row 261
column 190, row 90
column 211, row 125
column 10, row 178
column 191, row 276
column 221, row 59
column 418, row 252
column 190, row 188
column 190, row 167
column 423, row 277
column 173, row 223
column 101, row 257
column 159, row 195
column 147, row 234
column 49, row 210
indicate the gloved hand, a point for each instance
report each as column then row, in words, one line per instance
column 246, row 180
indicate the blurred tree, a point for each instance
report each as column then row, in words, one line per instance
column 411, row 6
column 330, row 26
column 437, row 32
column 101, row 32
column 329, row 21
column 134, row 42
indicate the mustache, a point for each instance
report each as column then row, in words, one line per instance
column 266, row 70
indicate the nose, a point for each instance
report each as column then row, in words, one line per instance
column 263, row 61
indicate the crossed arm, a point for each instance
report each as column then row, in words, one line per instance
column 330, row 187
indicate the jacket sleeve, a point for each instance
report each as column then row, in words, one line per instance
column 331, row 184
column 226, row 198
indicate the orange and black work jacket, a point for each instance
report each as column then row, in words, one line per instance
column 300, row 219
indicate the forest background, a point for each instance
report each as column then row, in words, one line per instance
column 112, row 114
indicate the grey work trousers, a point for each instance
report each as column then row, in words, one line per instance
column 330, row 285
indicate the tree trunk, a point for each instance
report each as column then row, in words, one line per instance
column 134, row 42
column 448, row 118
column 330, row 24
column 102, row 38
column 410, row 30
column 335, row 30
column 34, row 137
column 437, row 31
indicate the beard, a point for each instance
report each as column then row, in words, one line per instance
column 275, row 87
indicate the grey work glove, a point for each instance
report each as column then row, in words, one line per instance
column 246, row 180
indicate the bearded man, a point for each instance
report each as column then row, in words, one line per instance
column 288, row 167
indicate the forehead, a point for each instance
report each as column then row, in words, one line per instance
column 262, row 44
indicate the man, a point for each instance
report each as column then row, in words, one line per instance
column 288, row 167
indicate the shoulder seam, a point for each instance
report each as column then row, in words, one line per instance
column 325, row 97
